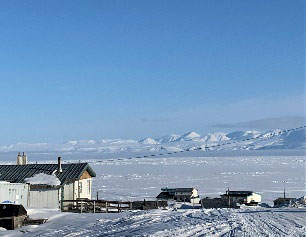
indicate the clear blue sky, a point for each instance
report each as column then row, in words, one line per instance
column 128, row 69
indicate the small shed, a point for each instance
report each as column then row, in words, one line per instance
column 12, row 216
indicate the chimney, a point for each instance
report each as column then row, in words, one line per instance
column 24, row 158
column 59, row 165
column 19, row 159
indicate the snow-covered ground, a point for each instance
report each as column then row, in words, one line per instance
column 197, row 222
column 136, row 179
column 142, row 178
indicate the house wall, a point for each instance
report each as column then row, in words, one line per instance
column 194, row 193
column 46, row 197
column 302, row 200
column 78, row 189
column 83, row 188
column 14, row 192
column 195, row 200
column 69, row 192
column 243, row 199
column 191, row 196
column 254, row 197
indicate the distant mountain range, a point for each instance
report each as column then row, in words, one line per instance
column 295, row 139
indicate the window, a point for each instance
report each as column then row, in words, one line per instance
column 80, row 186
column 88, row 182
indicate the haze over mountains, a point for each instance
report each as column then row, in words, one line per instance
column 192, row 140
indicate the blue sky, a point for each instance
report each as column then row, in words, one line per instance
column 128, row 69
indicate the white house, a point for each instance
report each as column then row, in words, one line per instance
column 242, row 197
column 180, row 195
column 74, row 182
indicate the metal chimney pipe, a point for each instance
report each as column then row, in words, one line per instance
column 24, row 158
column 19, row 159
column 59, row 165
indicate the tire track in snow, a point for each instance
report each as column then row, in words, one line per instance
column 215, row 222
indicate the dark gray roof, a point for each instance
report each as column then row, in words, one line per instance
column 17, row 173
column 281, row 199
column 165, row 195
column 183, row 189
column 238, row 193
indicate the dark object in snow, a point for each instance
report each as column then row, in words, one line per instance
column 9, row 210
column 264, row 205
column 29, row 221
column 148, row 205
column 209, row 203
column 12, row 216
column 105, row 206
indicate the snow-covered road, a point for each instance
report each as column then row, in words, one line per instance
column 197, row 222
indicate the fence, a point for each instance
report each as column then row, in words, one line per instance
column 104, row 206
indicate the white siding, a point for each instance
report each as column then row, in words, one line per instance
column 254, row 197
column 45, row 198
column 78, row 189
column 194, row 193
column 83, row 188
column 69, row 192
column 13, row 192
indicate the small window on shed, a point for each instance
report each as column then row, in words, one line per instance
column 88, row 181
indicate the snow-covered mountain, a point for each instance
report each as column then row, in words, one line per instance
column 253, row 140
column 148, row 141
column 168, row 138
column 216, row 137
column 238, row 135
column 190, row 136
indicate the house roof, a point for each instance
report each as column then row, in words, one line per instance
column 238, row 193
column 281, row 199
column 168, row 189
column 165, row 195
column 18, row 173
column 184, row 189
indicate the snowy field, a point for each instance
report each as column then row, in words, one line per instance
column 142, row 178
column 137, row 179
